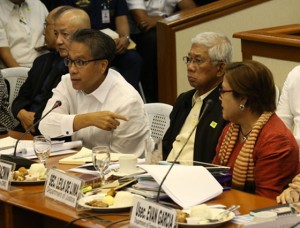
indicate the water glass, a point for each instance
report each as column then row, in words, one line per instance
column 153, row 150
column 42, row 147
column 101, row 160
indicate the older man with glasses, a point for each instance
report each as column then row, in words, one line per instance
column 99, row 106
column 47, row 69
column 188, row 137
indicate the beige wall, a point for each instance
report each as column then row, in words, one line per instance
column 269, row 14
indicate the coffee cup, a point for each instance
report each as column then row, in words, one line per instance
column 127, row 163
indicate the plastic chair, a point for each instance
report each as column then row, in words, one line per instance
column 15, row 77
column 158, row 114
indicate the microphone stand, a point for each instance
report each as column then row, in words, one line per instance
column 21, row 161
column 206, row 108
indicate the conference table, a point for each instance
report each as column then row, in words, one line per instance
column 27, row 206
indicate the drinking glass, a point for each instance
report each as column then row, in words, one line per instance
column 42, row 147
column 101, row 160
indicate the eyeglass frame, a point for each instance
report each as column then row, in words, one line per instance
column 222, row 91
column 84, row 62
column 46, row 23
column 187, row 60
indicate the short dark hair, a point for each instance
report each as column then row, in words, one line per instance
column 61, row 10
column 101, row 46
column 254, row 81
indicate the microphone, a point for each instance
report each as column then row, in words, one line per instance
column 207, row 106
column 20, row 161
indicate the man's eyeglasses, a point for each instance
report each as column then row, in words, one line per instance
column 46, row 23
column 222, row 91
column 198, row 61
column 79, row 63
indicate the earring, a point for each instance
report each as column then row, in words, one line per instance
column 242, row 107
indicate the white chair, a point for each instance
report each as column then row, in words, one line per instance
column 15, row 77
column 158, row 114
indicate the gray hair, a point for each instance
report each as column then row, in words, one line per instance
column 219, row 46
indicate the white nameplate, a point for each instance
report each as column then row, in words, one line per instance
column 6, row 169
column 153, row 215
column 63, row 187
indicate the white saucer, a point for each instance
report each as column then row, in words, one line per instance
column 121, row 174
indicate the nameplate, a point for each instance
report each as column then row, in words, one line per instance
column 152, row 215
column 63, row 187
column 6, row 169
column 281, row 222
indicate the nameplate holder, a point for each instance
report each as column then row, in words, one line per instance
column 6, row 169
column 63, row 187
column 149, row 214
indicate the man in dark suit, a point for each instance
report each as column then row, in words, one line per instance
column 47, row 69
column 206, row 60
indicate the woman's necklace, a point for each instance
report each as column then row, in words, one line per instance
column 244, row 136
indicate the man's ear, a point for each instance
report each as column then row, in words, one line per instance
column 103, row 66
column 221, row 69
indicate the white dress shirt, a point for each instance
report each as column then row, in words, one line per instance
column 154, row 7
column 115, row 95
column 21, row 29
column 288, row 108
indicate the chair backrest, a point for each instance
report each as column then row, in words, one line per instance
column 15, row 77
column 158, row 114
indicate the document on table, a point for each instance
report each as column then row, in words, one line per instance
column 25, row 147
column 186, row 185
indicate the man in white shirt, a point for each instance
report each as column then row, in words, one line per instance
column 21, row 32
column 98, row 105
column 288, row 108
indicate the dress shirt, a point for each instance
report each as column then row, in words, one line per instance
column 21, row 29
column 288, row 108
column 115, row 95
column 190, row 123
column 154, row 7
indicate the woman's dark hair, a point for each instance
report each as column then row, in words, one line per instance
column 254, row 81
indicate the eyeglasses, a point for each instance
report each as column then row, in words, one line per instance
column 198, row 61
column 222, row 91
column 79, row 63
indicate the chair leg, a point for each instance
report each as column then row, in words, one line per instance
column 142, row 92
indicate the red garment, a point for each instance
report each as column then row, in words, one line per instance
column 275, row 155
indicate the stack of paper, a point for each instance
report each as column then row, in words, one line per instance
column 25, row 147
column 186, row 185
column 114, row 35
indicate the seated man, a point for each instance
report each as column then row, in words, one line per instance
column 47, row 69
column 205, row 70
column 113, row 15
column 143, row 32
column 98, row 106
column 21, row 31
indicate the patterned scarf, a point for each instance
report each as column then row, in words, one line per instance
column 243, row 169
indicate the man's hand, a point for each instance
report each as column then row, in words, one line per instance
column 121, row 45
column 104, row 120
column 149, row 22
column 26, row 118
column 289, row 195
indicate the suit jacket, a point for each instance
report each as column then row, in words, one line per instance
column 44, row 75
column 208, row 131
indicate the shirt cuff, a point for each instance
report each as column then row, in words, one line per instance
column 67, row 126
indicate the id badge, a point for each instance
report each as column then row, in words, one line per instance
column 105, row 16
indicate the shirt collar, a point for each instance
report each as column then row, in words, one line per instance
column 196, row 96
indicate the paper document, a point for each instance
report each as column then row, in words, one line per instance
column 114, row 35
column 25, row 147
column 186, row 185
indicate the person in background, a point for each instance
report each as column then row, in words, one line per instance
column 6, row 118
column 99, row 106
column 260, row 150
column 288, row 108
column 21, row 32
column 145, row 16
column 209, row 53
column 113, row 15
column 47, row 69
